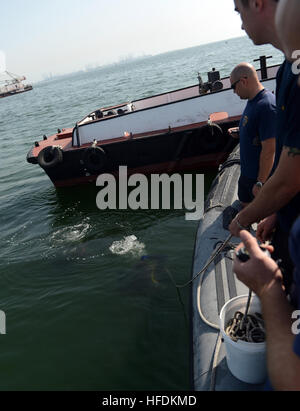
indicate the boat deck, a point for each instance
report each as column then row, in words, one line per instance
column 216, row 285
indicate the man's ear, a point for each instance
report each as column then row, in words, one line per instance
column 244, row 81
column 257, row 5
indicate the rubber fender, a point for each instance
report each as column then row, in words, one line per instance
column 94, row 158
column 50, row 157
column 212, row 137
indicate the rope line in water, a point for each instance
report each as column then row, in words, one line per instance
column 209, row 261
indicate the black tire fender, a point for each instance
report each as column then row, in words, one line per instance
column 94, row 158
column 50, row 157
column 212, row 137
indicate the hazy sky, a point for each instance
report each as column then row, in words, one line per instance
column 58, row 36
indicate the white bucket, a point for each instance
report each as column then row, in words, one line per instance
column 246, row 361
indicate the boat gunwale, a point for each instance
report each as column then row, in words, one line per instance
column 148, row 134
column 67, row 146
column 163, row 104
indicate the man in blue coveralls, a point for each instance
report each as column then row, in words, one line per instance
column 278, row 203
column 257, row 131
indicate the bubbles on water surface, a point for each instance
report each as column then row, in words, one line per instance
column 70, row 234
column 129, row 245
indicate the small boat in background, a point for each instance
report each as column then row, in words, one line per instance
column 11, row 84
column 185, row 129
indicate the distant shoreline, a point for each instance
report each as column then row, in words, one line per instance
column 126, row 60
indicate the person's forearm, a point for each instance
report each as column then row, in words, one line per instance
column 278, row 191
column 266, row 162
column 272, row 197
column 283, row 364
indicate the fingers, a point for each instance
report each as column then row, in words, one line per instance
column 234, row 227
column 250, row 243
column 259, row 234
column 265, row 235
column 241, row 245
column 268, row 247
column 262, row 232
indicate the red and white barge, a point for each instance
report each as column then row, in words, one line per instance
column 180, row 130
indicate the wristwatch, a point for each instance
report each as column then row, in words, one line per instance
column 259, row 184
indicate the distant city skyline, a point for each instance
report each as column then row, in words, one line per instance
column 120, row 60
column 55, row 37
